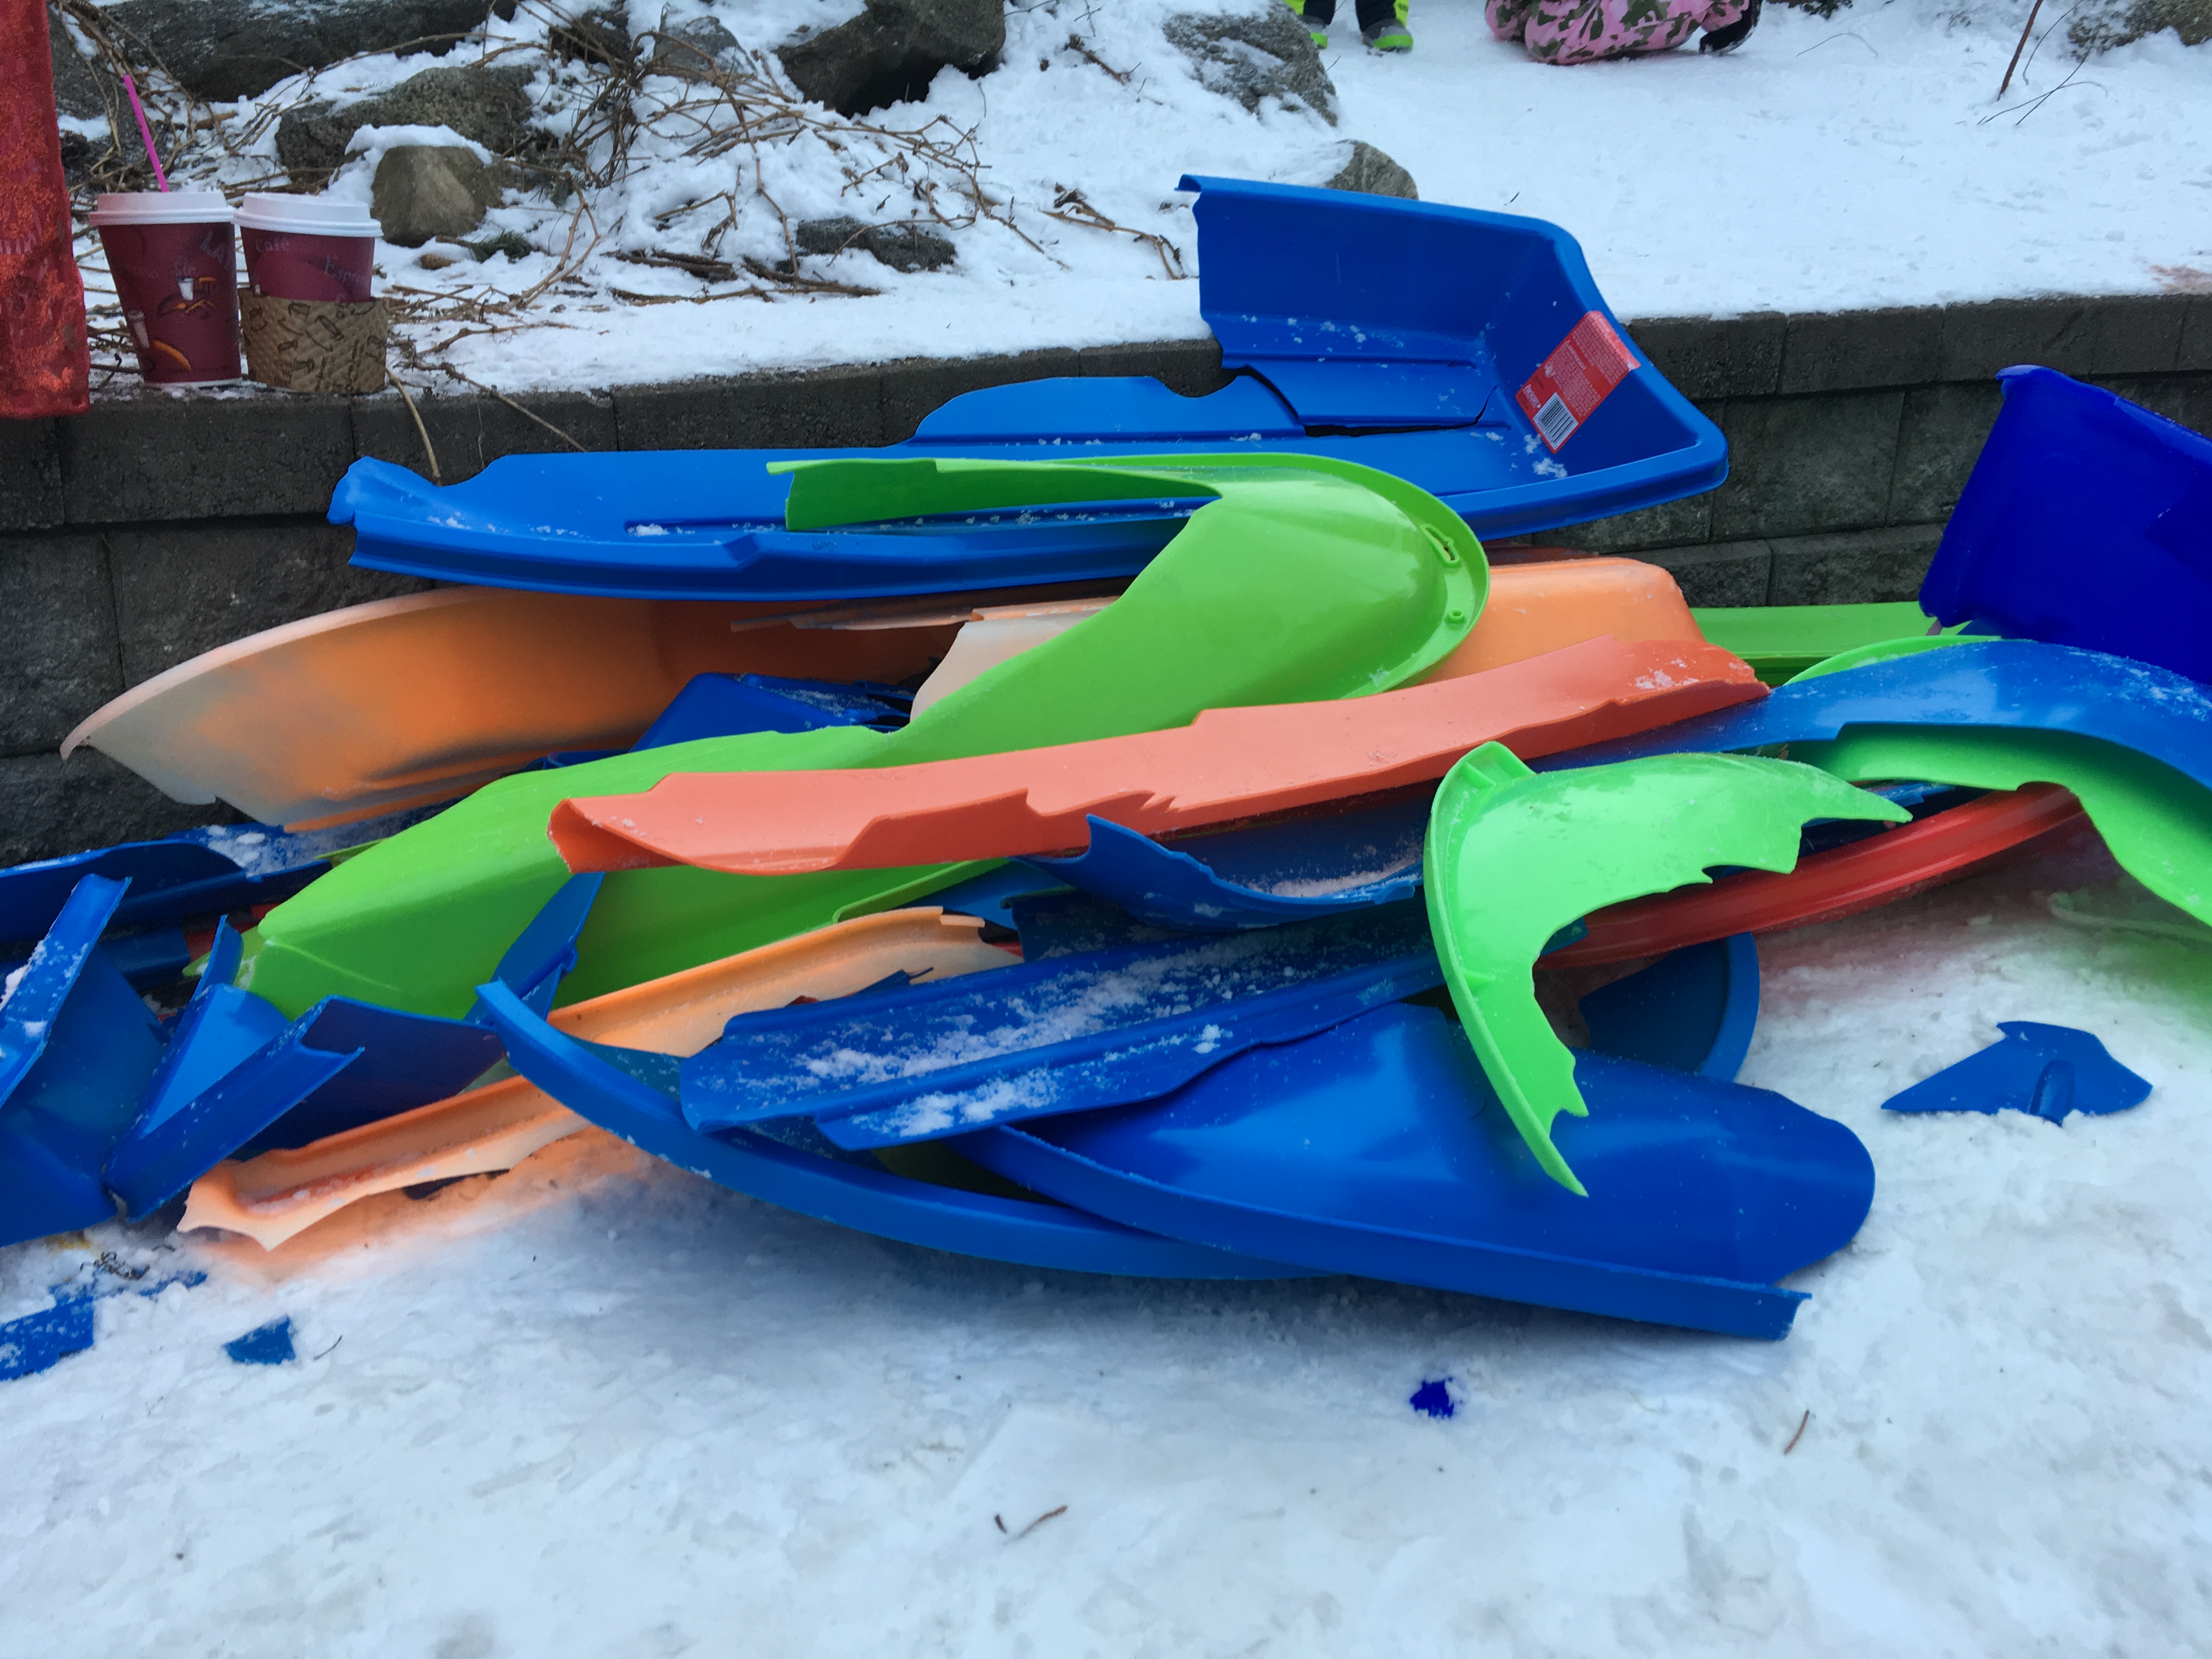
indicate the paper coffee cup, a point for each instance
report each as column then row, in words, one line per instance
column 174, row 257
column 308, row 247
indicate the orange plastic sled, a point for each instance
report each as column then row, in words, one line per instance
column 1228, row 763
column 273, row 1197
column 408, row 701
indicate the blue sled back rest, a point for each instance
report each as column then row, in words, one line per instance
column 2086, row 521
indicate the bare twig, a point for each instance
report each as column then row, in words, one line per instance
column 1800, row 1435
column 429, row 450
column 2025, row 29
column 525, row 413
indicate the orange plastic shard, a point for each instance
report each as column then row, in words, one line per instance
column 1228, row 763
column 273, row 1197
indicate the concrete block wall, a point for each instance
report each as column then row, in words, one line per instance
column 158, row 525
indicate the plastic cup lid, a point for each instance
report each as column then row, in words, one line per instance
column 156, row 207
column 307, row 215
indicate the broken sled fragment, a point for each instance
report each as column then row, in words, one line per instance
column 632, row 1093
column 76, row 1047
column 1378, row 1148
column 273, row 1196
column 1229, row 763
column 239, row 1078
column 1513, row 856
column 1070, row 1033
column 2045, row 1071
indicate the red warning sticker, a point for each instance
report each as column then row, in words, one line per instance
column 1575, row 378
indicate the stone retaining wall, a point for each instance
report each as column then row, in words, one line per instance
column 158, row 525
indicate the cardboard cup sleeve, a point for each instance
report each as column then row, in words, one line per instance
column 315, row 345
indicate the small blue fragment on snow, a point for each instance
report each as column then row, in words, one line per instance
column 271, row 1344
column 36, row 1341
column 2047, row 1071
column 1433, row 1398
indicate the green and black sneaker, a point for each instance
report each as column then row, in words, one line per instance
column 1392, row 35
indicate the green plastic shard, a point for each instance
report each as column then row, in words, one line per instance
column 2157, row 821
column 1883, row 650
column 1304, row 578
column 1513, row 856
column 1781, row 642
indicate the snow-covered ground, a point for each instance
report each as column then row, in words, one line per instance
column 1861, row 160
column 598, row 1407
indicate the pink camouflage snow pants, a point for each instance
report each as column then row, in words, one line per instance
column 1584, row 31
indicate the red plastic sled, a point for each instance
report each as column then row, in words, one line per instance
column 1229, row 763
column 1827, row 886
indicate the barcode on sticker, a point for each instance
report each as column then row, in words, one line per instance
column 1580, row 373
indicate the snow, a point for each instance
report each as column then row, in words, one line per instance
column 599, row 1406
column 1861, row 160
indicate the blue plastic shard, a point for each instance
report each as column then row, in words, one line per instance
column 1390, row 333
column 2045, row 1071
column 1434, row 1398
column 35, row 1342
column 1066, row 922
column 2088, row 520
column 1289, row 871
column 1064, row 1035
column 2016, row 684
column 724, row 705
column 77, row 1049
column 991, row 895
column 193, row 872
column 1378, row 1147
column 632, row 1094
column 239, row 1079
column 264, row 1344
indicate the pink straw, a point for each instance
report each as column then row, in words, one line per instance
column 144, row 131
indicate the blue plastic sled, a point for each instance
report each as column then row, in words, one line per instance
column 1378, row 1148
column 2045, row 1071
column 1396, row 334
column 2086, row 521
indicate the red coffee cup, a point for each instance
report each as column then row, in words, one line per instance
column 174, row 258
column 308, row 247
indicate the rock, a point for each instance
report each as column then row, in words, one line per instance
column 1371, row 172
column 902, row 247
column 423, row 191
column 229, row 49
column 691, row 49
column 1254, row 57
column 598, row 36
column 2097, row 27
column 490, row 105
column 891, row 51
column 76, row 84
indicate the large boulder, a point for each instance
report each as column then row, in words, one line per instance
column 1255, row 57
column 426, row 190
column 891, row 51
column 690, row 50
column 76, row 84
column 902, row 247
column 231, row 49
column 489, row 104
